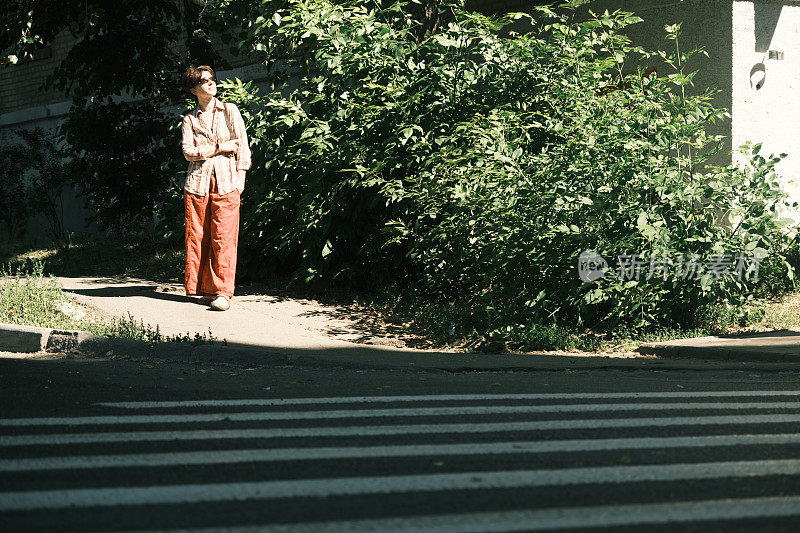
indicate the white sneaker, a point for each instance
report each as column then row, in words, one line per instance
column 221, row 303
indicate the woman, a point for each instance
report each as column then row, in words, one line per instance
column 215, row 144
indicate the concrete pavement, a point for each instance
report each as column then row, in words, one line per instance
column 783, row 345
column 253, row 319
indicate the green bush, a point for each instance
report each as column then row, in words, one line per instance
column 477, row 165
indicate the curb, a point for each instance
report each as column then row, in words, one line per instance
column 182, row 352
column 32, row 339
column 29, row 339
column 721, row 353
column 781, row 346
column 360, row 359
column 363, row 359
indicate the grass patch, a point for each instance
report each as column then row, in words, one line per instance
column 30, row 298
column 772, row 314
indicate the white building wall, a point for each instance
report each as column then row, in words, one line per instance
column 766, row 91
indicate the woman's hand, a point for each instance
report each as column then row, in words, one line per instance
column 228, row 147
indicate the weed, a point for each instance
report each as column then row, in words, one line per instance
column 29, row 298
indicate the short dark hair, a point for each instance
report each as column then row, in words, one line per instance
column 193, row 75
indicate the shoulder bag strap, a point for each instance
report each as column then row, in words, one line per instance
column 227, row 112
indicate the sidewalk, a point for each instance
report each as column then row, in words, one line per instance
column 274, row 330
column 264, row 329
column 783, row 345
column 257, row 320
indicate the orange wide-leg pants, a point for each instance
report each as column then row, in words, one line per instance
column 212, row 235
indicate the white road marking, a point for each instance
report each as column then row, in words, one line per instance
column 441, row 398
column 546, row 519
column 420, row 429
column 382, row 413
column 323, row 488
column 218, row 457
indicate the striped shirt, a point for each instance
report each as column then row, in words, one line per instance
column 199, row 146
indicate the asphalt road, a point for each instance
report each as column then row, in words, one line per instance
column 115, row 445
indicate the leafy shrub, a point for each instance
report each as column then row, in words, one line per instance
column 477, row 165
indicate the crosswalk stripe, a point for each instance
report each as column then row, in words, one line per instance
column 217, row 457
column 545, row 519
column 263, row 490
column 416, row 429
column 376, row 413
column 265, row 402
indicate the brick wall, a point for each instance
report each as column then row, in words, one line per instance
column 19, row 84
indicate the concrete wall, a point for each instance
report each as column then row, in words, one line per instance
column 766, row 91
column 706, row 24
column 739, row 35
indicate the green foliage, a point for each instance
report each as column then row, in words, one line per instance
column 440, row 150
column 28, row 298
column 47, row 160
column 130, row 328
column 478, row 165
column 124, row 46
column 126, row 165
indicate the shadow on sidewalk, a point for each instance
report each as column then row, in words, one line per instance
column 147, row 291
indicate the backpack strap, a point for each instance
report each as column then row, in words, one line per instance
column 226, row 106
column 227, row 112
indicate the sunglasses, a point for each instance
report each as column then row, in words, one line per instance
column 206, row 80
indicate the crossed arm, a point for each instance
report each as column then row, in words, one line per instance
column 193, row 152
